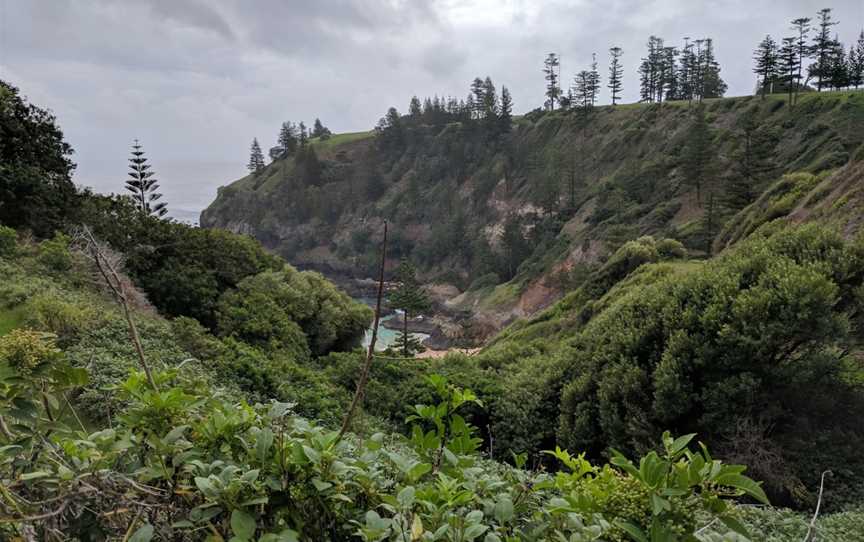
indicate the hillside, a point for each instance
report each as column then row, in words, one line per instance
column 514, row 220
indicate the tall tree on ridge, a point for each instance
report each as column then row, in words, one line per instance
column 553, row 89
column 711, row 84
column 303, row 138
column 788, row 65
column 415, row 109
column 320, row 131
column 821, row 48
column 802, row 29
column 143, row 186
column 616, row 71
column 256, row 158
column 593, row 80
column 856, row 62
column 505, row 118
column 765, row 69
column 288, row 138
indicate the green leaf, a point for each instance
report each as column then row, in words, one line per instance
column 745, row 484
column 504, row 510
column 735, row 525
column 35, row 474
column 242, row 524
column 635, row 532
column 143, row 534
column 406, row 497
column 680, row 443
column 474, row 531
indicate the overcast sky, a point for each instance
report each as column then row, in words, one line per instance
column 196, row 80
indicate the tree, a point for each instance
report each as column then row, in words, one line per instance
column 802, row 28
column 514, row 246
column 615, row 73
column 303, row 138
column 410, row 298
column 489, row 103
column 649, row 70
column 787, row 66
column 551, row 72
column 698, row 156
column 593, row 80
column 711, row 85
column 320, row 131
column 687, row 72
column 753, row 163
column 821, row 49
column 582, row 90
column 415, row 109
column 766, row 66
column 505, row 118
column 856, row 62
column 36, row 188
column 288, row 138
column 256, row 158
column 143, row 186
column 477, row 91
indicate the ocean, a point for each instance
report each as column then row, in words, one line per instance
column 188, row 187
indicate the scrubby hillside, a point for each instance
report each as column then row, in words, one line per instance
column 535, row 207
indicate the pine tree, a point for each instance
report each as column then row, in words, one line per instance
column 505, row 118
column 753, row 163
column 802, row 29
column 514, row 246
column 856, row 63
column 616, row 71
column 303, row 138
column 143, row 186
column 477, row 98
column 838, row 67
column 668, row 80
column 414, row 108
column 410, row 298
column 766, row 66
column 649, row 70
column 698, row 157
column 256, row 158
column 711, row 85
column 821, row 49
column 288, row 138
column 593, row 80
column 490, row 106
column 550, row 71
column 686, row 72
column 788, row 65
column 582, row 90
column 320, row 131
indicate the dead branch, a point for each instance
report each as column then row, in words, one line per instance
column 112, row 279
column 811, row 529
column 370, row 353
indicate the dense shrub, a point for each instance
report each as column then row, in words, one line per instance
column 753, row 336
column 8, row 241
column 54, row 253
column 293, row 310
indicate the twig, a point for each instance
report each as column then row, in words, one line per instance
column 370, row 353
column 811, row 529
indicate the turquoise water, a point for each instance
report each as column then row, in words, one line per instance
column 387, row 337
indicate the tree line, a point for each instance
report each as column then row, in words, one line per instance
column 293, row 140
column 780, row 66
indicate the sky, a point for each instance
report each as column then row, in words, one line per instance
column 196, row 80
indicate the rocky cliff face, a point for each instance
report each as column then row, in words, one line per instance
column 511, row 221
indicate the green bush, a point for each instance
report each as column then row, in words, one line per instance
column 54, row 253
column 8, row 241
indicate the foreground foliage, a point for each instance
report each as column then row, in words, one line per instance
column 181, row 463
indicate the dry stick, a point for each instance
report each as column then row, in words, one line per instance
column 370, row 353
column 812, row 528
column 120, row 294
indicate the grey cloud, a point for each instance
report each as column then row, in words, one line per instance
column 197, row 79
